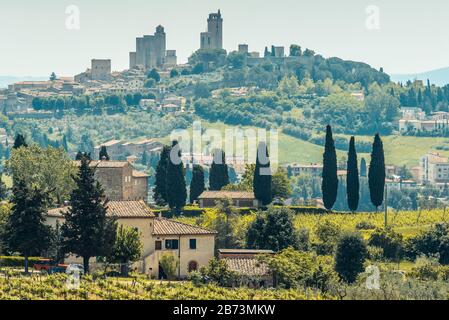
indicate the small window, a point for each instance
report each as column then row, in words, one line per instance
column 171, row 244
column 158, row 245
column 192, row 244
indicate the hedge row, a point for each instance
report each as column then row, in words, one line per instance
column 17, row 262
column 196, row 212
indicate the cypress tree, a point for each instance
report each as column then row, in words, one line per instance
column 26, row 232
column 352, row 182
column 19, row 142
column 330, row 179
column 197, row 186
column 176, row 183
column 262, row 182
column 160, row 189
column 219, row 175
column 363, row 169
column 104, row 156
column 376, row 174
column 88, row 231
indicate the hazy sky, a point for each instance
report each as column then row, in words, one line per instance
column 34, row 41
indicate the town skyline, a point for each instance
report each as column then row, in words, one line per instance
column 344, row 30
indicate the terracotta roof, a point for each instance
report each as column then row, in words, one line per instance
column 248, row 267
column 165, row 227
column 140, row 174
column 106, row 164
column 111, row 143
column 117, row 209
column 227, row 194
column 244, row 251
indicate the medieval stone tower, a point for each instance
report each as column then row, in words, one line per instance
column 213, row 38
column 150, row 50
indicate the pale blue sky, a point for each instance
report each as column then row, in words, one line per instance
column 34, row 41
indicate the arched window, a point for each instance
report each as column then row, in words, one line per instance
column 193, row 266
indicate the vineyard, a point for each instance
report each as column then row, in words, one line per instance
column 54, row 288
column 408, row 223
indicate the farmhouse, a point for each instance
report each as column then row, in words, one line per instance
column 209, row 199
column 192, row 246
column 245, row 264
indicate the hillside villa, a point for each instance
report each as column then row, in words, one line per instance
column 192, row 246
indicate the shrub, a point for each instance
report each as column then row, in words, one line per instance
column 350, row 256
column 430, row 243
column 295, row 269
column 390, row 242
column 375, row 253
column 365, row 225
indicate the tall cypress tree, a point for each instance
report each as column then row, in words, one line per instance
column 26, row 232
column 197, row 186
column 376, row 174
column 219, row 175
column 352, row 182
column 262, row 182
column 176, row 183
column 88, row 231
column 330, row 179
column 104, row 154
column 160, row 189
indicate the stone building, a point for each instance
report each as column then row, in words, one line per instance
column 151, row 51
column 192, row 246
column 120, row 181
column 209, row 199
column 213, row 37
column 101, row 69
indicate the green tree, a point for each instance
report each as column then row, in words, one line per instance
column 352, row 179
column 26, row 231
column 48, row 169
column 3, row 189
column 273, row 230
column 295, row 50
column 197, row 185
column 376, row 173
column 218, row 175
column 104, row 154
column 153, row 74
column 350, row 257
column 127, row 248
column 330, row 179
column 20, row 141
column 160, row 189
column 170, row 265
column 176, row 183
column 281, row 187
column 262, row 184
column 174, row 73
column 53, row 76
column 88, row 231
